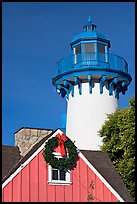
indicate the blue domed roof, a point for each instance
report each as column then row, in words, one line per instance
column 90, row 33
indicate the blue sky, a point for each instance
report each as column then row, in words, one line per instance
column 35, row 35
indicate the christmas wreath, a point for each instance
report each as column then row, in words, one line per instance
column 66, row 162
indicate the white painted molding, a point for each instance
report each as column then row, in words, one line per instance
column 59, row 183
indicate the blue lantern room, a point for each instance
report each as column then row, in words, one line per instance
column 91, row 61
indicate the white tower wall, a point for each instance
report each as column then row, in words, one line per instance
column 86, row 113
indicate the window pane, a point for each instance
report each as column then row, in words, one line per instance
column 54, row 174
column 101, row 48
column 78, row 49
column 89, row 27
column 62, row 175
column 89, row 47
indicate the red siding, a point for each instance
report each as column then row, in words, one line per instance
column 68, row 193
column 30, row 184
column 91, row 178
column 17, row 188
column 60, row 194
column 25, row 184
column 51, row 193
column 7, row 192
column 113, row 198
column 34, row 180
column 99, row 191
column 107, row 194
column 43, row 177
column 83, row 181
column 76, row 183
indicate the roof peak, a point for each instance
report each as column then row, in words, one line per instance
column 90, row 26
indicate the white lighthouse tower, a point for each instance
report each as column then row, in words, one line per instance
column 91, row 80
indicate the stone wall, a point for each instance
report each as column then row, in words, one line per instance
column 26, row 138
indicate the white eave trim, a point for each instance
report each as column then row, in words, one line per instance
column 101, row 178
column 29, row 159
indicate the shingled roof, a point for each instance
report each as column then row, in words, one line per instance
column 11, row 160
column 10, row 157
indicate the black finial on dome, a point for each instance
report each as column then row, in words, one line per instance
column 89, row 26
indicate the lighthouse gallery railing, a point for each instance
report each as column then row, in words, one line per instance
column 84, row 60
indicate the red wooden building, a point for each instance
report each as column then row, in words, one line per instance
column 28, row 178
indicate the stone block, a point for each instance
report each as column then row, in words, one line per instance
column 23, row 137
column 39, row 133
column 21, row 132
column 44, row 132
column 34, row 132
column 24, row 148
column 20, row 143
column 32, row 140
column 26, row 138
column 27, row 132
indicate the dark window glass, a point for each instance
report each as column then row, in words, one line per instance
column 78, row 49
column 89, row 47
column 101, row 48
column 58, row 174
column 89, row 27
column 54, row 174
column 62, row 175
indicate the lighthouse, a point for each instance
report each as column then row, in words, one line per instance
column 91, row 80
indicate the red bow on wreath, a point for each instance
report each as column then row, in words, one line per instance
column 61, row 139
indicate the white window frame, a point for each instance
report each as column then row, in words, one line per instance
column 75, row 55
column 106, row 50
column 58, row 182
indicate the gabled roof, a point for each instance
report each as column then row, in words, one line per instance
column 89, row 34
column 98, row 159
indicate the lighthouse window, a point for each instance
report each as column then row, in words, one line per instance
column 89, row 27
column 101, row 48
column 77, row 49
column 89, row 47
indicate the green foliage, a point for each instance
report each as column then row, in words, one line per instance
column 118, row 136
column 65, row 163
